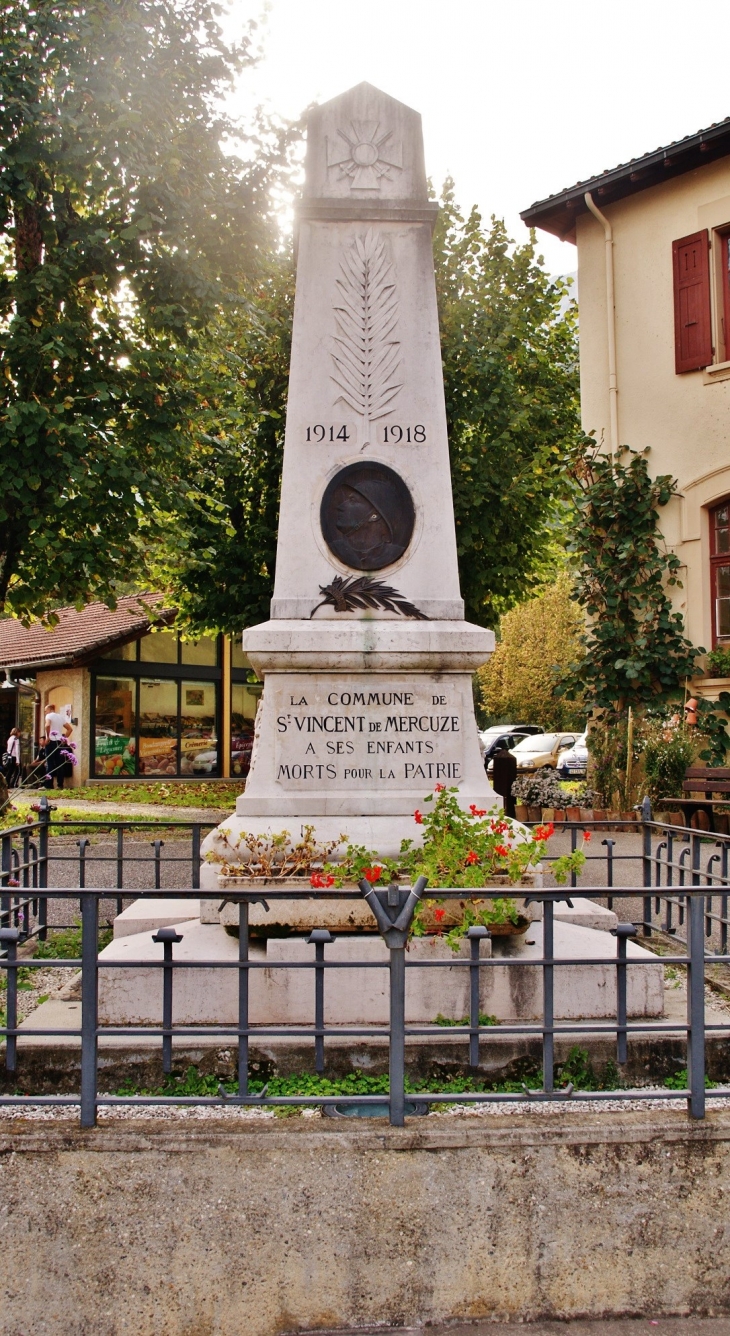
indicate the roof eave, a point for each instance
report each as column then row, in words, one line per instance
column 558, row 213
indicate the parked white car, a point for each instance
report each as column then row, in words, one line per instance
column 573, row 762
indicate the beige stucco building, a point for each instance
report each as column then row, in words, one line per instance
column 654, row 297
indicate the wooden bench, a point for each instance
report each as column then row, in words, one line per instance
column 711, row 784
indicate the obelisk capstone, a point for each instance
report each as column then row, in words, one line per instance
column 367, row 661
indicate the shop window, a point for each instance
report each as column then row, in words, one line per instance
column 244, row 701
column 158, row 727
column 203, row 651
column 158, row 647
column 128, row 652
column 198, row 732
column 720, row 572
column 114, row 741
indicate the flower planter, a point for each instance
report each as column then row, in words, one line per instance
column 586, row 814
column 559, row 815
column 439, row 916
column 297, row 915
column 572, row 814
column 521, row 812
column 534, row 813
column 548, row 814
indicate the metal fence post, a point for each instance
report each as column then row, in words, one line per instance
column 609, row 844
column 9, row 938
column 158, row 846
column 168, row 937
column 548, row 996
column 44, row 821
column 319, row 937
column 89, row 1007
column 243, row 978
column 622, row 932
column 696, row 1008
column 394, row 909
column 195, row 857
column 646, row 866
column 476, row 936
column 6, row 863
column 83, row 846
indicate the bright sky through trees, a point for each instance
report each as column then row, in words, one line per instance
column 518, row 100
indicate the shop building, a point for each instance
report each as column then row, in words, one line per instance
column 142, row 702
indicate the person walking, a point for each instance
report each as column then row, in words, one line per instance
column 57, row 730
column 11, row 767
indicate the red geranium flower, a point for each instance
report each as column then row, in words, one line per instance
column 439, row 914
column 319, row 883
column 472, row 857
column 587, row 836
column 499, row 827
column 418, row 817
column 439, row 788
column 372, row 873
column 503, row 850
column 541, row 833
column 477, row 811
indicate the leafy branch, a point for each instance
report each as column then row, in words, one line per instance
column 362, row 591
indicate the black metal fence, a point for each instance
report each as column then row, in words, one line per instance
column 680, row 883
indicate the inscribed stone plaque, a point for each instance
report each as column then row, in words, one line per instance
column 362, row 731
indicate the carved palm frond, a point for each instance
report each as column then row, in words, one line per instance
column 366, row 355
column 361, row 591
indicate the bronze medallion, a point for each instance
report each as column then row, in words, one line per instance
column 367, row 516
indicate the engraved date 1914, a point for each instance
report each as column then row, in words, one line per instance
column 320, row 433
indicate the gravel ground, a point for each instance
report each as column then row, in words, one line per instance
column 525, row 1108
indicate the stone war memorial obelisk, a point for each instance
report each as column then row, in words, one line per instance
column 367, row 660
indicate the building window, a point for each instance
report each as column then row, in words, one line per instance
column 720, row 563
column 157, row 712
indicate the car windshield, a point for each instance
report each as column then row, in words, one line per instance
column 537, row 742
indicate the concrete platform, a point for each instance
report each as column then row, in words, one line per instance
column 149, row 915
column 360, row 995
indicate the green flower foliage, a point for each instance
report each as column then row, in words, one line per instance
column 635, row 652
column 511, row 381
column 124, row 228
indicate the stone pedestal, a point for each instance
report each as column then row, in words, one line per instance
column 367, row 660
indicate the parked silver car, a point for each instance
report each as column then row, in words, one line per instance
column 573, row 762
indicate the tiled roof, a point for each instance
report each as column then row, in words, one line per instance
column 78, row 635
column 557, row 213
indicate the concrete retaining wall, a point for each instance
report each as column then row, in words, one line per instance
column 223, row 1228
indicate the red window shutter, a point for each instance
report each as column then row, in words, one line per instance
column 692, row 315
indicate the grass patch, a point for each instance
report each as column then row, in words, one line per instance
column 577, row 1069
column 679, row 1081
column 484, row 1019
column 65, row 943
column 185, row 793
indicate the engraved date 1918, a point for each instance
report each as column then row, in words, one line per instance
column 392, row 433
column 319, row 433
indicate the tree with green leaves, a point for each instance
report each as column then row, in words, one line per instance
column 126, row 228
column 509, row 345
column 636, row 653
column 539, row 642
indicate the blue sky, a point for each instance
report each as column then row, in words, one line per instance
column 518, row 99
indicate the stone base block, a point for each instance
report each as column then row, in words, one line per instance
column 280, row 996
